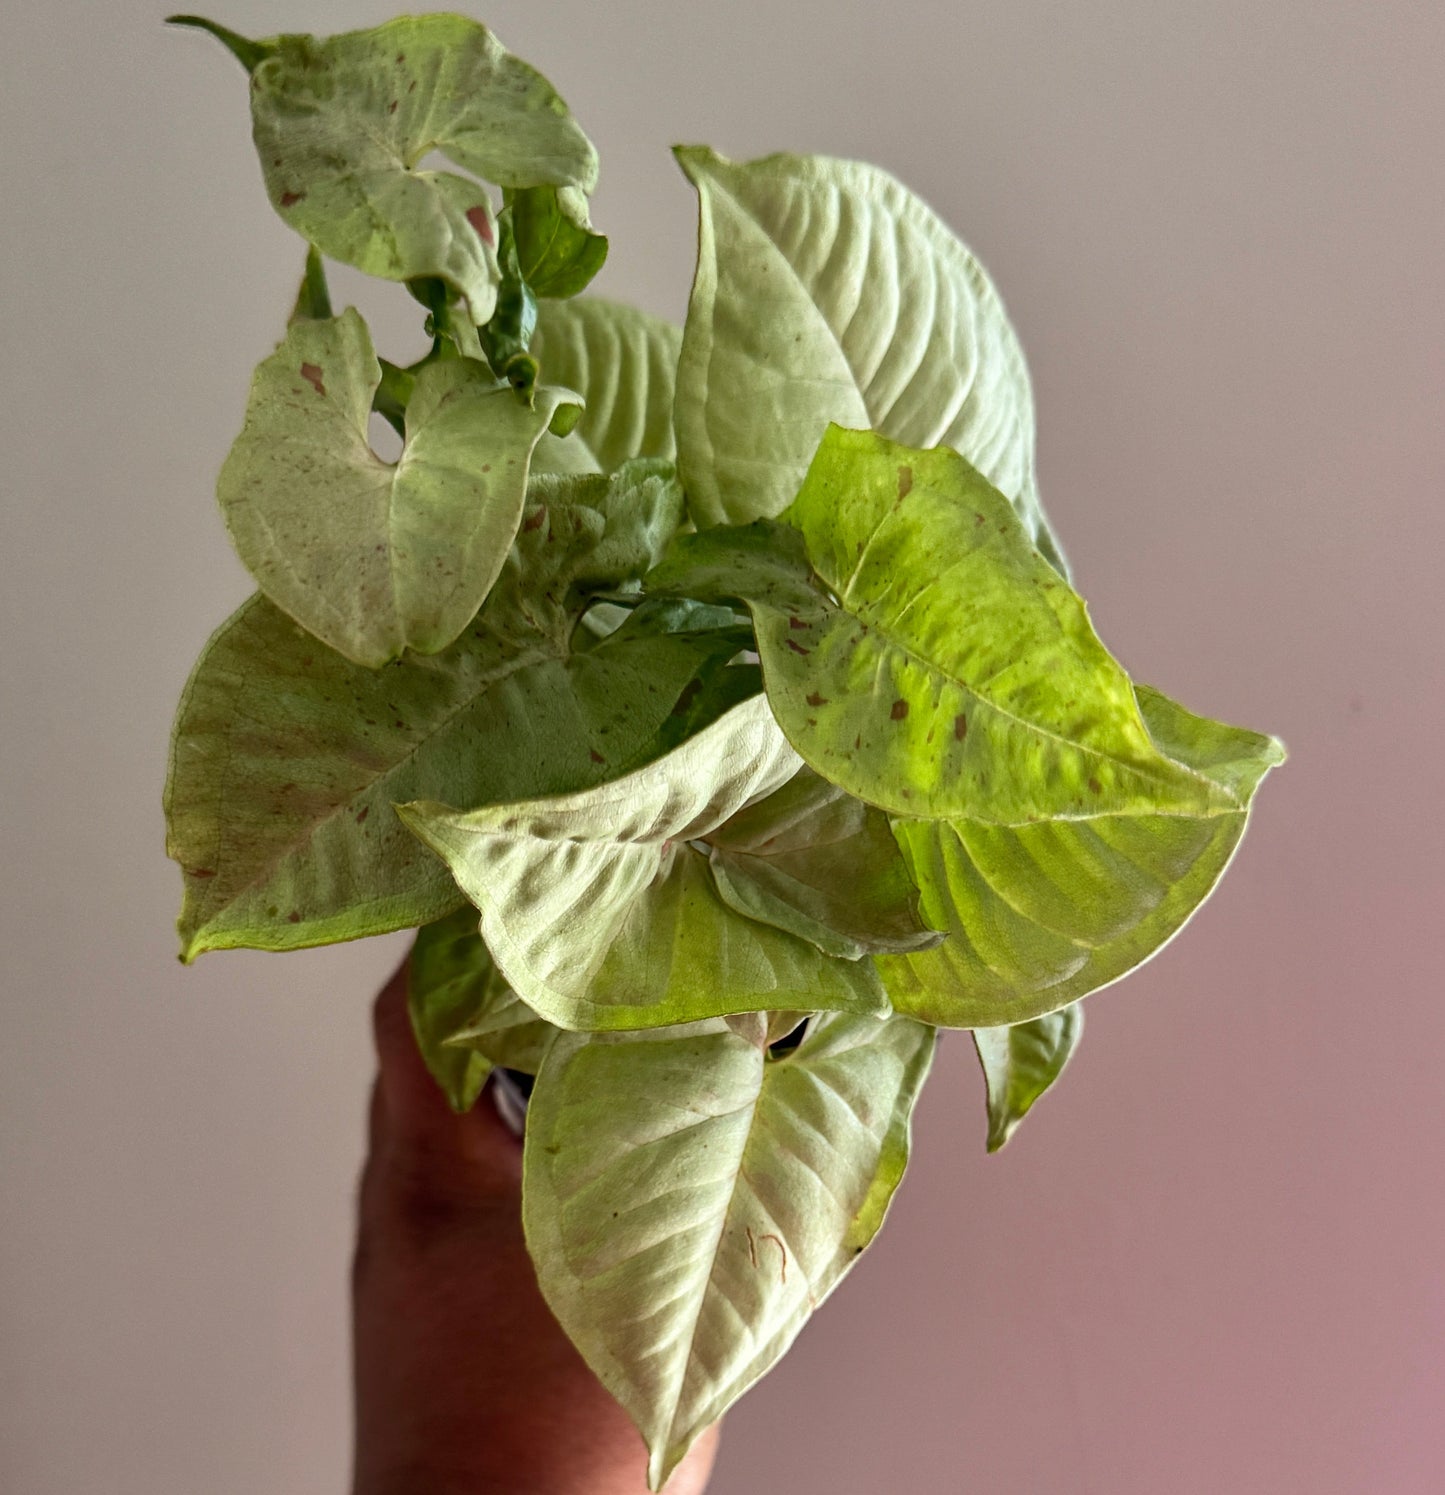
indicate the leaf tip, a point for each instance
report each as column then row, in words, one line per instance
column 248, row 53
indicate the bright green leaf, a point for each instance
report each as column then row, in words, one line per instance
column 286, row 758
column 1040, row 915
column 814, row 861
column 343, row 124
column 557, row 251
column 622, row 362
column 601, row 913
column 466, row 1018
column 827, row 292
column 689, row 1201
column 1021, row 1062
column 374, row 558
column 920, row 653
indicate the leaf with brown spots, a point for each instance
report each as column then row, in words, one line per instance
column 375, row 558
column 1040, row 915
column 285, row 759
column 343, row 123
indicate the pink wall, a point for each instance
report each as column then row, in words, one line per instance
column 1212, row 1261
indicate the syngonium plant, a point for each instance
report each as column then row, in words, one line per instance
column 715, row 703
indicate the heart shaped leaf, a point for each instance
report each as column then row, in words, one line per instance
column 286, row 758
column 921, row 654
column 827, row 292
column 689, row 1201
column 1040, row 915
column 1021, row 1062
column 814, row 861
column 342, row 125
column 465, row 1017
column 602, row 914
column 375, row 558
column 623, row 362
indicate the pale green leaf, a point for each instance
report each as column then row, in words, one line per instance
column 827, row 292
column 815, row 861
column 1040, row 915
column 689, row 1201
column 920, row 653
column 286, row 758
column 1021, row 1062
column 622, row 361
column 342, row 125
column 466, row 1018
column 372, row 557
column 602, row 914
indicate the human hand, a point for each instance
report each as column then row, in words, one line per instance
column 464, row 1382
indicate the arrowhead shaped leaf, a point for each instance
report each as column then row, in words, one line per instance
column 814, row 861
column 602, row 915
column 375, row 558
column 689, row 1202
column 466, row 1018
column 286, row 758
column 1021, row 1062
column 921, row 654
column 623, row 363
column 342, row 124
column 1040, row 915
column 827, row 292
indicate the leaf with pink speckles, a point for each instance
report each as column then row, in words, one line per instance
column 342, row 125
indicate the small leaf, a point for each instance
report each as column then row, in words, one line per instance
column 466, row 1018
column 557, row 251
column 1040, row 915
column 921, row 654
column 375, row 558
column 343, row 124
column 1021, row 1062
column 827, row 292
column 824, row 866
column 601, row 913
column 313, row 296
column 286, row 758
column 622, row 362
column 688, row 1202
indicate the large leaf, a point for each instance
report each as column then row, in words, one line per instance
column 1021, row 1062
column 1040, row 915
column 343, row 124
column 689, row 1201
column 816, row 862
column 921, row 654
column 602, row 914
column 623, row 362
column 826, row 291
column 374, row 558
column 286, row 758
column 465, row 1017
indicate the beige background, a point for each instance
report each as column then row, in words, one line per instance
column 1212, row 1262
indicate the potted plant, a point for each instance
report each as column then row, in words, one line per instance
column 714, row 702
